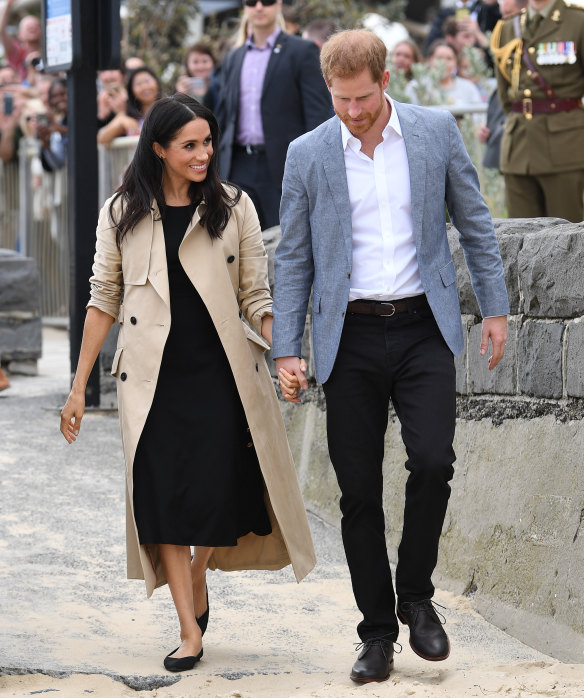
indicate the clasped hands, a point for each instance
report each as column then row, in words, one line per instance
column 292, row 377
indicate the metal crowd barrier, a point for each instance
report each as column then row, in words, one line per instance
column 33, row 213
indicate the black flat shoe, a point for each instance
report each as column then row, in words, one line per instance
column 427, row 636
column 181, row 663
column 375, row 661
column 203, row 620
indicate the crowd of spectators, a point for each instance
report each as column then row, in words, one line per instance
column 34, row 105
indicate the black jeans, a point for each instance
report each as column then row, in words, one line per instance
column 403, row 359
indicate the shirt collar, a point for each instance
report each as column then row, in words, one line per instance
column 392, row 124
column 544, row 11
column 270, row 41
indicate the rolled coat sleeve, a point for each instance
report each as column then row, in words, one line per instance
column 254, row 296
column 106, row 282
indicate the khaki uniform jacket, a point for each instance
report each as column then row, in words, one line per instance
column 230, row 275
column 548, row 143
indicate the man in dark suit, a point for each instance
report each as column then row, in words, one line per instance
column 272, row 91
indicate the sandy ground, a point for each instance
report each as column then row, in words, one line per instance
column 70, row 623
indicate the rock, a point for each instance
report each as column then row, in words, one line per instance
column 550, row 274
column 539, row 357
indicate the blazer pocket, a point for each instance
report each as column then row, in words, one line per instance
column 315, row 302
column 116, row 360
column 448, row 274
column 253, row 337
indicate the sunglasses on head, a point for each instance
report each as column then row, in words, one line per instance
column 253, row 3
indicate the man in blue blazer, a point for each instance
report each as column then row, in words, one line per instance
column 363, row 226
column 271, row 92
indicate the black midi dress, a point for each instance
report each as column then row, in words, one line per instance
column 196, row 475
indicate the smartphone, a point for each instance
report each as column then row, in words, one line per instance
column 42, row 120
column 8, row 105
column 197, row 84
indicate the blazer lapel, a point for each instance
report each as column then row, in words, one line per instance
column 275, row 60
column 416, row 152
column 233, row 87
column 333, row 160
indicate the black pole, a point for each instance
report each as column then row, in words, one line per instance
column 82, row 178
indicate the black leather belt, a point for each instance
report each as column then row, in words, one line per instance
column 250, row 149
column 387, row 308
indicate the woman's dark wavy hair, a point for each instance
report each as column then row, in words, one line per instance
column 142, row 182
column 134, row 106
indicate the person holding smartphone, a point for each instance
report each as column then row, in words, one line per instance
column 198, row 65
column 52, row 131
column 11, row 101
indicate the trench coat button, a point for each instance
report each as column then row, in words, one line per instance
column 230, row 259
column 257, row 369
column 123, row 376
column 133, row 320
column 343, row 314
column 348, row 275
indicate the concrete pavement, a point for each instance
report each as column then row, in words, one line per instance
column 71, row 623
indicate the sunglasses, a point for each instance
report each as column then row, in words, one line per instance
column 253, row 3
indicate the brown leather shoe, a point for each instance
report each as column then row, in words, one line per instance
column 427, row 636
column 374, row 662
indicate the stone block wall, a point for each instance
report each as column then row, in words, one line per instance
column 20, row 321
column 543, row 271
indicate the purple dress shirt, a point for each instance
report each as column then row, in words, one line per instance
column 253, row 71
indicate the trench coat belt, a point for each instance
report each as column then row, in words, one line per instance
column 388, row 308
column 546, row 106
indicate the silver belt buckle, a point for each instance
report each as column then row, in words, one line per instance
column 249, row 149
column 392, row 309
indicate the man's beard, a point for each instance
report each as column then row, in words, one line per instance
column 367, row 120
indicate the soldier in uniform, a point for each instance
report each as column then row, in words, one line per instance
column 540, row 77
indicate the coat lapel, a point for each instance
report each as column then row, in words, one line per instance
column 333, row 160
column 275, row 59
column 416, row 152
column 200, row 256
column 233, row 87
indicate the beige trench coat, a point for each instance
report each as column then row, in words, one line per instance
column 230, row 275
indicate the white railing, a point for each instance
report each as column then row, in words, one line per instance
column 34, row 216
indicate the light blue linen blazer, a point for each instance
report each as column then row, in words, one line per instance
column 316, row 247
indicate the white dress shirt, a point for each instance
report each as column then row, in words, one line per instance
column 385, row 265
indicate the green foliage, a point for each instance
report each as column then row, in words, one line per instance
column 156, row 31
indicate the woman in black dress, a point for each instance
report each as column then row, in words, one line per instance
column 195, row 479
